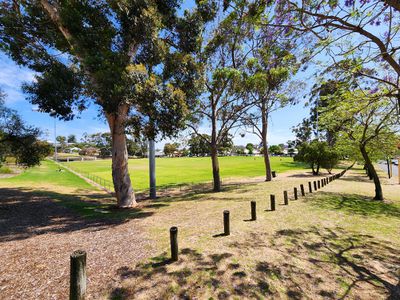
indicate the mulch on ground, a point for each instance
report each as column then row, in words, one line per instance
column 37, row 236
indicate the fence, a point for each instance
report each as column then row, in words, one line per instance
column 195, row 187
column 192, row 187
column 107, row 184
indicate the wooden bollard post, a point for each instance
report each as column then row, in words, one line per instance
column 253, row 210
column 227, row 229
column 295, row 193
column 303, row 193
column 322, row 182
column 273, row 173
column 309, row 187
column 173, row 236
column 272, row 197
column 319, row 183
column 285, row 198
column 77, row 286
column 315, row 185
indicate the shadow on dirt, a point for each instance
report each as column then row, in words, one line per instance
column 25, row 213
column 301, row 263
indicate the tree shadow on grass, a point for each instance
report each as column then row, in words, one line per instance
column 331, row 263
column 354, row 204
column 356, row 260
column 309, row 175
column 328, row 263
column 195, row 195
column 356, row 178
column 25, row 213
column 194, row 276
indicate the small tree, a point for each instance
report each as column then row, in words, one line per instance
column 72, row 139
column 317, row 154
column 222, row 104
column 275, row 149
column 268, row 73
column 368, row 122
column 198, row 146
column 62, row 141
column 169, row 148
column 331, row 159
column 250, row 148
column 19, row 140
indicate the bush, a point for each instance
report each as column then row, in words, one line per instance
column 318, row 154
column 5, row 170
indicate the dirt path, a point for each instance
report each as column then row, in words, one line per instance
column 37, row 237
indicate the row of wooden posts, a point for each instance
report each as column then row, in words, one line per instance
column 78, row 258
column 253, row 204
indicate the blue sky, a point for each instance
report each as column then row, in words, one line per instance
column 12, row 77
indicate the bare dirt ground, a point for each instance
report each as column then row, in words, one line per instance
column 334, row 244
column 37, row 236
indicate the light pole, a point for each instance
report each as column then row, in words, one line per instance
column 152, row 169
column 55, row 139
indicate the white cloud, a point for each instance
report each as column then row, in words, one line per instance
column 11, row 78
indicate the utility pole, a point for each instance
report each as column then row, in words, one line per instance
column 152, row 169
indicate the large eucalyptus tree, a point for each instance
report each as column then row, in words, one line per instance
column 133, row 59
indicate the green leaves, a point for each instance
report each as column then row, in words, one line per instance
column 317, row 154
column 361, row 118
column 57, row 91
column 19, row 140
column 113, row 53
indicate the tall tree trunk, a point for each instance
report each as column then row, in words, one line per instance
column 214, row 150
column 372, row 172
column 264, row 133
column 215, row 168
column 313, row 169
column 120, row 174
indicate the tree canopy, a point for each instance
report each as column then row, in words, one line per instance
column 19, row 140
column 133, row 59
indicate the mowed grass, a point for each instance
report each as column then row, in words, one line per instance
column 336, row 243
column 45, row 175
column 332, row 244
column 188, row 170
column 49, row 181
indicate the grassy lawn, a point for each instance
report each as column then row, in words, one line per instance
column 188, row 169
column 67, row 189
column 48, row 174
column 333, row 244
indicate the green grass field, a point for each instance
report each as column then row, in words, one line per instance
column 187, row 169
column 335, row 243
column 47, row 174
